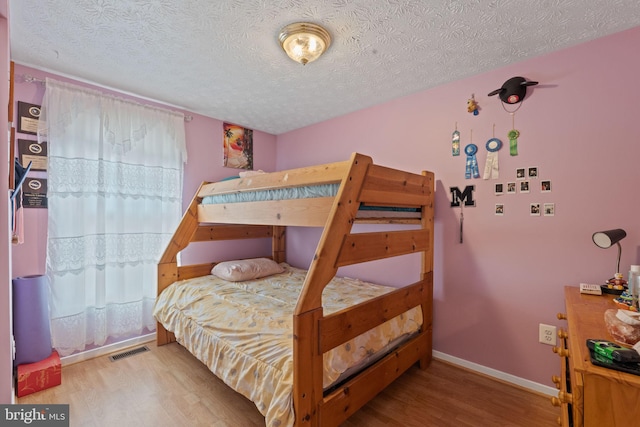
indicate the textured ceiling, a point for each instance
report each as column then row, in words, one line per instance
column 221, row 58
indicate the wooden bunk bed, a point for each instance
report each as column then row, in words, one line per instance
column 359, row 182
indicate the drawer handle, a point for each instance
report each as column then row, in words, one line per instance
column 563, row 397
column 561, row 316
column 562, row 352
column 556, row 380
column 562, row 334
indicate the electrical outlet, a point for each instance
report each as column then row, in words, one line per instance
column 547, row 334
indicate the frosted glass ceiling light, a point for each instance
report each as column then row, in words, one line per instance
column 304, row 42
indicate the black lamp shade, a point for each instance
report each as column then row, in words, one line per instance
column 608, row 238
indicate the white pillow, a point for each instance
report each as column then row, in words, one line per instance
column 246, row 269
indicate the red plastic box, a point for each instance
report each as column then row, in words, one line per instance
column 40, row 375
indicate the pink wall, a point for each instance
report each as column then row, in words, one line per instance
column 204, row 151
column 6, row 357
column 577, row 126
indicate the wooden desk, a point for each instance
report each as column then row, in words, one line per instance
column 591, row 396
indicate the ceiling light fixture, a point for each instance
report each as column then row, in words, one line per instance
column 304, row 42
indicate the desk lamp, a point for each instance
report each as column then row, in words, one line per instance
column 606, row 239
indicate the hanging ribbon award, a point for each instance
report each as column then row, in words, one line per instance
column 455, row 142
column 513, row 142
column 491, row 165
column 513, row 136
column 472, row 164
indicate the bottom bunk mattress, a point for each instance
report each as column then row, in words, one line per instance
column 242, row 331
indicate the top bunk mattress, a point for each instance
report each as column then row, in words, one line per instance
column 286, row 193
column 243, row 332
column 307, row 192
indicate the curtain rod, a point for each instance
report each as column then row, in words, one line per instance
column 28, row 78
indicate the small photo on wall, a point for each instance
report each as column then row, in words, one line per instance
column 533, row 173
column 521, row 173
column 535, row 209
column 549, row 209
column 499, row 189
column 545, row 186
column 511, row 188
column 524, row 186
column 499, row 209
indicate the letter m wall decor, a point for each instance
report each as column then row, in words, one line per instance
column 466, row 196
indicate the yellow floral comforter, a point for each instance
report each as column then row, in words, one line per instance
column 243, row 332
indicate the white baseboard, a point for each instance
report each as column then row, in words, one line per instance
column 520, row 382
column 107, row 349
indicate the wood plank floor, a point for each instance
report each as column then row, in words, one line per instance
column 167, row 386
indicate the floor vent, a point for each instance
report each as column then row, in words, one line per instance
column 128, row 353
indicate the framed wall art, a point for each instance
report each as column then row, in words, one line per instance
column 238, row 147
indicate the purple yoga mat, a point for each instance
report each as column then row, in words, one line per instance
column 31, row 327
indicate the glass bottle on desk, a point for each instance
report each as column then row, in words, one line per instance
column 633, row 285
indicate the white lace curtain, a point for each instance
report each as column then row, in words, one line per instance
column 114, row 199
